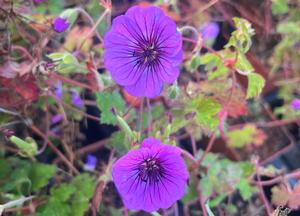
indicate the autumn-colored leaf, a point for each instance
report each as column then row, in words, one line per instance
column 294, row 201
column 133, row 101
column 247, row 135
column 233, row 103
column 282, row 196
column 24, row 86
column 11, row 69
column 75, row 38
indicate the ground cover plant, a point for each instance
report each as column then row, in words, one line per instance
column 149, row 107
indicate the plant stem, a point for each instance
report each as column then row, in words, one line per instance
column 208, row 148
column 149, row 129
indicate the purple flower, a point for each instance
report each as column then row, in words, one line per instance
column 56, row 118
column 76, row 100
column 143, row 51
column 58, row 90
column 151, row 177
column 60, row 24
column 295, row 104
column 38, row 1
column 91, row 162
column 210, row 31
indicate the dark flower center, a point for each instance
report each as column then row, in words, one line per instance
column 146, row 55
column 150, row 170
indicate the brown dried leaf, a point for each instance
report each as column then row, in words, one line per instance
column 280, row 195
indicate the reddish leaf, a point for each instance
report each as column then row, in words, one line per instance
column 294, row 201
column 24, row 86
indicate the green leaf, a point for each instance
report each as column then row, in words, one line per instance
column 124, row 126
column 118, row 142
column 40, row 174
column 24, row 177
column 105, row 102
column 174, row 91
column 54, row 207
column 223, row 177
column 191, row 193
column 69, row 59
column 28, row 147
column 242, row 65
column 71, row 15
column 194, row 63
column 245, row 189
column 70, row 199
column 241, row 137
column 5, row 168
column 241, row 38
column 206, row 110
column 66, row 63
column 248, row 168
column 206, row 187
column 279, row 7
column 56, row 56
column 214, row 65
column 217, row 200
column 85, row 185
column 288, row 28
column 256, row 84
column 63, row 192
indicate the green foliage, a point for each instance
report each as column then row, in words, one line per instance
column 242, row 65
column 40, row 175
column 22, row 177
column 209, row 212
column 119, row 142
column 54, row 7
column 174, row 91
column 125, row 127
column 66, row 63
column 279, row 7
column 206, row 110
column 191, row 193
column 71, row 15
column 223, row 177
column 290, row 27
column 241, row 38
column 241, row 137
column 256, row 84
column 214, row 65
column 28, row 147
column 105, row 102
column 194, row 63
column 69, row 199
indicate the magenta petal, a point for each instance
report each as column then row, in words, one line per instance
column 150, row 142
column 143, row 50
column 149, row 85
column 152, row 177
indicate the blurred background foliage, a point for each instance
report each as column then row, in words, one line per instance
column 64, row 121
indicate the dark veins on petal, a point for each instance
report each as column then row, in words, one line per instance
column 147, row 49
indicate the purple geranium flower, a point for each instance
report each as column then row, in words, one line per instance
column 76, row 100
column 56, row 118
column 210, row 31
column 295, row 104
column 91, row 162
column 60, row 24
column 143, row 51
column 151, row 177
column 58, row 90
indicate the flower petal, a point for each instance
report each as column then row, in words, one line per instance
column 150, row 142
column 149, row 85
